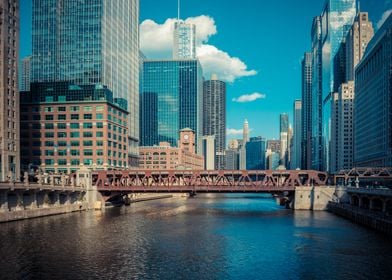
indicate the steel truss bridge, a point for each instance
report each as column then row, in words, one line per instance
column 193, row 181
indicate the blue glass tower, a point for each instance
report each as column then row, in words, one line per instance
column 90, row 42
column 255, row 153
column 171, row 99
column 337, row 15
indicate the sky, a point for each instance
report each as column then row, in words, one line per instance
column 256, row 46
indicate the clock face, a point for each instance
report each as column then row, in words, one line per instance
column 186, row 137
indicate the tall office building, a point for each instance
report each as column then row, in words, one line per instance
column 184, row 40
column 242, row 148
column 284, row 138
column 255, row 153
column 372, row 104
column 273, row 154
column 336, row 17
column 90, row 42
column 296, row 146
column 25, row 74
column 356, row 41
column 209, row 152
column 171, row 99
column 306, row 113
column 345, row 129
column 317, row 99
column 231, row 159
column 214, row 116
column 358, row 37
column 9, row 94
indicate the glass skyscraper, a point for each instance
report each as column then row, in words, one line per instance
column 336, row 19
column 90, row 42
column 171, row 99
column 255, row 153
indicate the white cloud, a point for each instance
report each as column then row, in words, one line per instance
column 228, row 68
column 233, row 131
column 156, row 41
column 383, row 18
column 249, row 97
column 205, row 28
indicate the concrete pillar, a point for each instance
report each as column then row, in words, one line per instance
column 46, row 200
column 4, row 201
column 33, row 202
column 19, row 201
column 56, row 200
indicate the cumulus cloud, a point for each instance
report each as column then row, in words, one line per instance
column 249, row 97
column 233, row 131
column 156, row 41
column 383, row 18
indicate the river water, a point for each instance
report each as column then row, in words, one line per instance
column 207, row 237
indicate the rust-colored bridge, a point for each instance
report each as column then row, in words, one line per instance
column 138, row 181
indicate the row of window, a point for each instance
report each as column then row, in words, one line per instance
column 86, row 143
column 87, row 161
column 62, row 117
column 85, row 152
column 86, row 125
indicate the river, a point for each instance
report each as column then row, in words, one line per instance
column 206, row 237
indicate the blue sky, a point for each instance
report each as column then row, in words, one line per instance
column 239, row 39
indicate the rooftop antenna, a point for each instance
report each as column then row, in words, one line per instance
column 359, row 6
column 178, row 12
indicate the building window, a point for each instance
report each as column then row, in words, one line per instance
column 87, row 108
column 99, row 143
column 75, row 134
column 49, row 161
column 49, row 153
column 74, row 116
column 36, row 117
column 74, row 109
column 49, row 117
column 87, row 125
column 62, row 109
column 62, row 117
column 74, row 126
column 87, row 134
column 75, row 143
column 61, row 134
column 88, row 152
column 88, row 116
column 49, row 126
column 75, row 152
column 99, row 116
column 48, row 109
column 62, row 126
column 99, row 125
column 99, row 108
column 75, row 162
column 49, row 134
column 99, row 152
column 87, row 143
column 87, row 161
column 99, row 134
column 62, row 161
column 62, row 143
column 62, row 152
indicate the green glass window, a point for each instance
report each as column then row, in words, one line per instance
column 74, row 125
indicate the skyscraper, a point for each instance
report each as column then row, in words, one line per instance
column 358, row 37
column 317, row 99
column 242, row 148
column 284, row 141
column 306, row 115
column 335, row 19
column 255, row 153
column 372, row 104
column 184, row 40
column 214, row 116
column 25, row 74
column 171, row 99
column 296, row 150
column 9, row 94
column 90, row 42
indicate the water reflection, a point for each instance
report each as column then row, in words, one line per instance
column 207, row 237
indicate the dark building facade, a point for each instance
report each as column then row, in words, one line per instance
column 214, row 116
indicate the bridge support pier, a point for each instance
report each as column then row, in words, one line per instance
column 93, row 196
column 313, row 198
column 4, row 201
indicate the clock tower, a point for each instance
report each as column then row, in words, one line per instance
column 187, row 140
